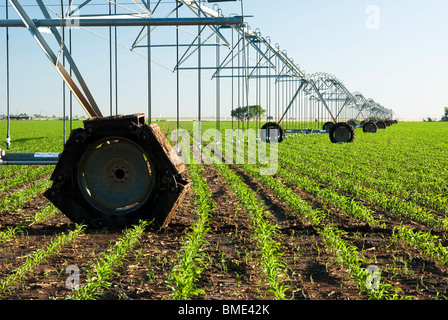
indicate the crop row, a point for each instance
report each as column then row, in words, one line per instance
column 370, row 175
column 396, row 163
column 368, row 282
column 392, row 204
column 44, row 213
column 35, row 259
column 348, row 255
column 184, row 275
column 353, row 195
column 24, row 176
column 425, row 242
column 297, row 172
column 15, row 201
column 403, row 166
column 342, row 202
column 265, row 232
column 103, row 271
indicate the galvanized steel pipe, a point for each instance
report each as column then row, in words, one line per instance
column 123, row 22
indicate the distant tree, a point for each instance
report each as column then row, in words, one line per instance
column 240, row 113
column 430, row 119
column 245, row 113
column 445, row 117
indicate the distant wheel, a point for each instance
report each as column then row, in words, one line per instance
column 267, row 131
column 388, row 123
column 327, row 125
column 381, row 124
column 352, row 123
column 342, row 132
column 369, row 127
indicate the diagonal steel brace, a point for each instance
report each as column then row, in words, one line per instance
column 88, row 103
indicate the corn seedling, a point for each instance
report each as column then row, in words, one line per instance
column 42, row 215
column 99, row 279
column 348, row 256
column 427, row 243
column 17, row 200
column 40, row 256
column 183, row 277
column 264, row 232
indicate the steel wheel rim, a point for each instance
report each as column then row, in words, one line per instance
column 115, row 176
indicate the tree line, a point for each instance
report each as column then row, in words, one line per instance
column 444, row 117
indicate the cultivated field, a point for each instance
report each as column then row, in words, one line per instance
column 365, row 220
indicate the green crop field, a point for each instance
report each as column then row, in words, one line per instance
column 361, row 220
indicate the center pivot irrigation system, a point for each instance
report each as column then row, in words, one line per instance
column 121, row 168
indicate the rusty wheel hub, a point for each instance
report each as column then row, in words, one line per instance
column 115, row 176
column 116, row 171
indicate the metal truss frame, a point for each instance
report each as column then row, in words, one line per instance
column 251, row 59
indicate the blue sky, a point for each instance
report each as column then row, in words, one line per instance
column 402, row 64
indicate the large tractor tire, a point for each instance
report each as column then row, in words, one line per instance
column 116, row 171
column 369, row 127
column 381, row 124
column 267, row 133
column 342, row 132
